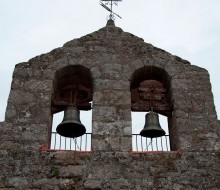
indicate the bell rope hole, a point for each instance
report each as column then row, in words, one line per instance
column 72, row 91
column 150, row 93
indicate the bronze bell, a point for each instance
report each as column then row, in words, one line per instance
column 71, row 125
column 152, row 126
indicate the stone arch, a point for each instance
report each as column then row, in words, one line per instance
column 70, row 78
column 150, row 73
column 150, row 87
column 68, row 81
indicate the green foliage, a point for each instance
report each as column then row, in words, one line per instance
column 55, row 172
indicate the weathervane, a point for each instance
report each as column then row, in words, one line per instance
column 111, row 3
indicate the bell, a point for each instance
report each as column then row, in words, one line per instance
column 152, row 126
column 71, row 125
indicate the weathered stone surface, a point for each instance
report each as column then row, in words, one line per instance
column 93, row 184
column 71, row 171
column 111, row 98
column 112, row 56
column 113, row 128
column 18, row 182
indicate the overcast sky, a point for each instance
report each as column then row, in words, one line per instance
column 187, row 28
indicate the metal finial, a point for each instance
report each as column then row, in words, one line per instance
column 111, row 3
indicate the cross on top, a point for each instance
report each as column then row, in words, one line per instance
column 104, row 4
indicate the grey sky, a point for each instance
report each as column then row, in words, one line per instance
column 187, row 28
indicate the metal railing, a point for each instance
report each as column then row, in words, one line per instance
column 82, row 143
column 142, row 144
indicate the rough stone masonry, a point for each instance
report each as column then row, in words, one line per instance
column 112, row 56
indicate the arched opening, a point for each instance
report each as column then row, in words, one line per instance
column 150, row 91
column 72, row 85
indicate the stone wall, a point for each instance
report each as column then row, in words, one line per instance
column 112, row 56
column 112, row 170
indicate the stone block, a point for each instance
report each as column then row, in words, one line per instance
column 112, row 98
column 67, row 184
column 95, row 71
column 34, row 86
column 58, row 64
column 23, row 72
column 19, row 97
column 47, row 184
column 114, row 128
column 110, row 143
column 93, row 184
column 71, row 171
column 120, row 183
column 11, row 112
column 107, row 114
column 105, row 84
column 18, row 182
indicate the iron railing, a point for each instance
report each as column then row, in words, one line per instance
column 82, row 143
column 142, row 144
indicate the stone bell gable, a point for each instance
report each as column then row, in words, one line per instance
column 108, row 66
